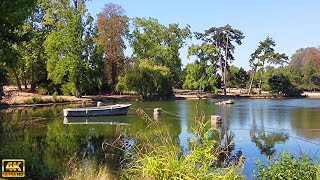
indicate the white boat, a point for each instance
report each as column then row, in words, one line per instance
column 112, row 110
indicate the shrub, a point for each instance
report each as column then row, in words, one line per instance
column 42, row 91
column 33, row 100
column 286, row 166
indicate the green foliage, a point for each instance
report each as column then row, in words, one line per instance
column 265, row 55
column 223, row 38
column 3, row 75
column 154, row 41
column 162, row 158
column 311, row 76
column 32, row 58
column 201, row 74
column 69, row 45
column 201, row 77
column 237, row 78
column 28, row 151
column 12, row 15
column 280, row 84
column 68, row 89
column 150, row 81
column 286, row 166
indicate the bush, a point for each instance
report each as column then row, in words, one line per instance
column 286, row 166
column 42, row 91
column 35, row 100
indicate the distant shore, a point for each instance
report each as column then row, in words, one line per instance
column 20, row 98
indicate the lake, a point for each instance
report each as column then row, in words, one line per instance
column 261, row 128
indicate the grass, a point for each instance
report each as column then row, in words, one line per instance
column 88, row 170
column 39, row 100
column 160, row 157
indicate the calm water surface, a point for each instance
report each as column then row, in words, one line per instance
column 261, row 127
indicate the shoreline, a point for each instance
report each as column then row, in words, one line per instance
column 15, row 98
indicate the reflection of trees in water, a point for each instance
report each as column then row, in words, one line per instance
column 81, row 141
column 266, row 141
column 305, row 121
column 225, row 147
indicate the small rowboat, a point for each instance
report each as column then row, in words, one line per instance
column 112, row 110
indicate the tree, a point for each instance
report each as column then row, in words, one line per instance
column 112, row 25
column 148, row 80
column 280, row 84
column 3, row 81
column 265, row 54
column 222, row 38
column 154, row 41
column 237, row 77
column 65, row 46
column 304, row 68
column 201, row 74
column 32, row 56
column 12, row 15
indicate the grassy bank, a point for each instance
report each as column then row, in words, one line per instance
column 39, row 100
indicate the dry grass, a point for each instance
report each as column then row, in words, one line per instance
column 88, row 170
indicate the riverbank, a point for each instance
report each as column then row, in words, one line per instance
column 24, row 98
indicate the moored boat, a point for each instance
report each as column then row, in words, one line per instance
column 112, row 110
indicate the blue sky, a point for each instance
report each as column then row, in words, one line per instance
column 291, row 23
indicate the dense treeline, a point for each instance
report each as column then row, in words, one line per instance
column 58, row 48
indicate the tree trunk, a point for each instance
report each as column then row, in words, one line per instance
column 1, row 92
column 225, row 69
column 114, row 75
column 78, row 91
column 17, row 79
column 261, row 78
column 25, row 84
column 250, row 87
column 33, row 83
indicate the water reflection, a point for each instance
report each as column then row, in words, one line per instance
column 266, row 141
column 305, row 122
column 42, row 136
column 112, row 120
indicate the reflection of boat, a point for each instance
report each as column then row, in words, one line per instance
column 112, row 120
column 118, row 109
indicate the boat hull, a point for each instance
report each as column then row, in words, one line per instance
column 112, row 110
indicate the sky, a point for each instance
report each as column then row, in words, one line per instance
column 293, row 24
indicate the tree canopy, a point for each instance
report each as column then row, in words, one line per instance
column 223, row 38
column 112, row 28
column 151, row 40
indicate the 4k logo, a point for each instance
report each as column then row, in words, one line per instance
column 13, row 168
